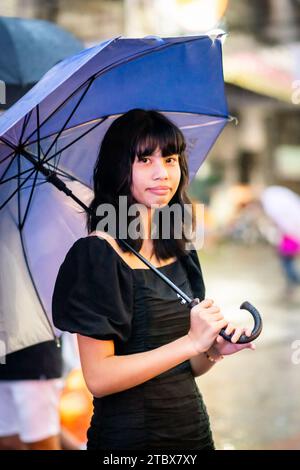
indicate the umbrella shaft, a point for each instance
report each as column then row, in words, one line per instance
column 52, row 178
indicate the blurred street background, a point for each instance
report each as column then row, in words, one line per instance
column 252, row 397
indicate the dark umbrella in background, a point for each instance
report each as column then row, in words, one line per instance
column 53, row 134
column 29, row 48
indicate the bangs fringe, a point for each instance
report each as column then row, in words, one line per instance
column 167, row 138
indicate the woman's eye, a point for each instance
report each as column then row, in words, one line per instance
column 173, row 160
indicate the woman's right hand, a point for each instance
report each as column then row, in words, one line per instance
column 206, row 322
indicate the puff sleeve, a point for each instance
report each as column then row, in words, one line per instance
column 93, row 293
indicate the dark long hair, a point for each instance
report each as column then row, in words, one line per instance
column 138, row 133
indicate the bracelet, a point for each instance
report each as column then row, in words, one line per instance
column 211, row 359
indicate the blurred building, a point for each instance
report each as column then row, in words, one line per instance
column 262, row 75
column 89, row 20
column 262, row 70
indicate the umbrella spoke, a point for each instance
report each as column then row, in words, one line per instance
column 60, row 171
column 21, row 224
column 61, row 106
column 16, row 190
column 70, row 117
column 7, row 157
column 8, row 167
column 15, row 176
column 71, row 128
column 18, row 195
column 40, row 183
column 38, row 131
column 8, row 143
column 74, row 141
column 59, row 156
column 24, row 126
column 65, row 174
column 30, row 179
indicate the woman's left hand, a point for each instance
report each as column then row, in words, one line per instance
column 225, row 348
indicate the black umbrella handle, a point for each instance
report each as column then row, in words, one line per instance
column 243, row 338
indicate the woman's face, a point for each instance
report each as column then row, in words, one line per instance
column 152, row 173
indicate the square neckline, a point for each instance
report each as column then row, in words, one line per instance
column 126, row 264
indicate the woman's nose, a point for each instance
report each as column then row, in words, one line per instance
column 160, row 171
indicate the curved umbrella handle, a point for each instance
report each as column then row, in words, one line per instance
column 257, row 323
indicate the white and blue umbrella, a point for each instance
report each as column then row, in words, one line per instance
column 55, row 131
column 282, row 205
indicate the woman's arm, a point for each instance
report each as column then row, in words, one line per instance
column 106, row 373
column 204, row 361
column 200, row 364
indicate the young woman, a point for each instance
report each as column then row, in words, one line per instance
column 140, row 348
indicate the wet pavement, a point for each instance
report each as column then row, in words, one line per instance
column 253, row 397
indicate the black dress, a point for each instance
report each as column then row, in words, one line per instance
column 98, row 295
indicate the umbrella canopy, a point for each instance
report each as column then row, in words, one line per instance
column 61, row 122
column 283, row 206
column 30, row 47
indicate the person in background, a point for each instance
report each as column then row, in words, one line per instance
column 288, row 250
column 31, row 382
column 30, row 387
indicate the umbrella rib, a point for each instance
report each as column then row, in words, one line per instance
column 38, row 130
column 111, row 66
column 71, row 128
column 7, row 156
column 60, row 106
column 16, row 190
column 74, row 141
column 26, row 179
column 70, row 117
column 19, row 194
column 61, row 172
column 25, row 123
column 37, row 184
column 57, row 160
column 8, row 166
column 8, row 143
column 21, row 225
column 57, row 170
column 14, row 176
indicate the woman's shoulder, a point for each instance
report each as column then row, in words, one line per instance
column 93, row 295
column 94, row 243
column 93, row 252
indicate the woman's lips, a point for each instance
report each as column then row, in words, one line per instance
column 159, row 191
